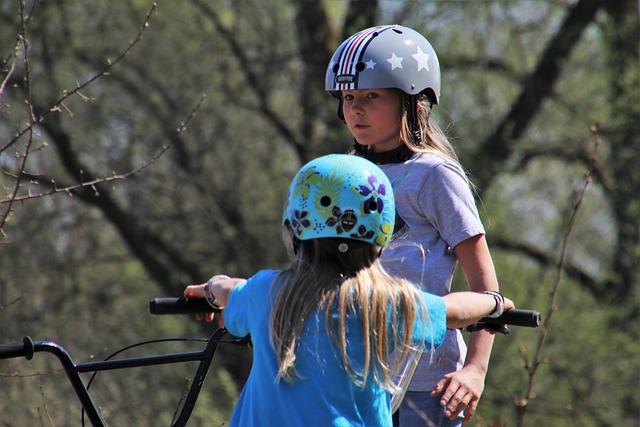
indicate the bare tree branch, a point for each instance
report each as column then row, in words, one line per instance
column 27, row 71
column 38, row 117
column 533, row 366
column 67, row 93
column 73, row 188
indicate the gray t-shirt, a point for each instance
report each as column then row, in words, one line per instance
column 436, row 211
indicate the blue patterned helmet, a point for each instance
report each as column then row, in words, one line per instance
column 341, row 196
column 384, row 57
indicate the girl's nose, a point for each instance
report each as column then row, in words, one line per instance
column 356, row 106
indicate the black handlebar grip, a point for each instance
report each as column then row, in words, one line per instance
column 516, row 317
column 25, row 348
column 180, row 306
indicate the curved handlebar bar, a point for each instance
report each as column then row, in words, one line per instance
column 515, row 317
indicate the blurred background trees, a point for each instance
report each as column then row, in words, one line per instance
column 147, row 145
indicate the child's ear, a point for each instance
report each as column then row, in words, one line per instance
column 290, row 241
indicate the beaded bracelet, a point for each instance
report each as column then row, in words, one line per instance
column 499, row 308
column 208, row 295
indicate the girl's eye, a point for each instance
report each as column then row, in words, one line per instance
column 368, row 95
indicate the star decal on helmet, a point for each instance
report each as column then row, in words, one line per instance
column 422, row 59
column 395, row 61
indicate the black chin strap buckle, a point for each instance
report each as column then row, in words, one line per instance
column 340, row 112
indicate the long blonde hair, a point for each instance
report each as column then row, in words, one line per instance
column 432, row 138
column 321, row 278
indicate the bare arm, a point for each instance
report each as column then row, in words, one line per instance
column 465, row 308
column 462, row 389
column 475, row 261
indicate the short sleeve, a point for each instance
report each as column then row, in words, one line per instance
column 448, row 203
column 236, row 318
column 248, row 302
column 434, row 327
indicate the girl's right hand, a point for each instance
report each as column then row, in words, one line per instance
column 197, row 291
column 219, row 288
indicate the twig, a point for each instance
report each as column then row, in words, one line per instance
column 33, row 374
column 521, row 405
column 2, row 307
column 25, row 47
column 92, row 184
column 44, row 408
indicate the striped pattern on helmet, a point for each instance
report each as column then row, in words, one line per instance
column 352, row 54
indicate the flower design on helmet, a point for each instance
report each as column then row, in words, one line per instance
column 343, row 222
column 375, row 192
column 362, row 233
column 300, row 221
column 305, row 180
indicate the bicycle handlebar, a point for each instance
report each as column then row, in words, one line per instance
column 180, row 306
column 25, row 348
column 515, row 317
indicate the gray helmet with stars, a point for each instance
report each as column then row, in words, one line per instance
column 383, row 57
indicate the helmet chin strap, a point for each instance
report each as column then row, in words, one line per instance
column 413, row 114
column 413, row 119
column 340, row 112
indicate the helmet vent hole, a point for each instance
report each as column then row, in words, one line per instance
column 373, row 206
column 395, row 30
column 360, row 67
column 325, row 201
column 336, row 67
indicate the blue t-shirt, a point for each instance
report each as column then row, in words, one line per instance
column 325, row 395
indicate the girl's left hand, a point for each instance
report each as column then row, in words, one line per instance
column 461, row 391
